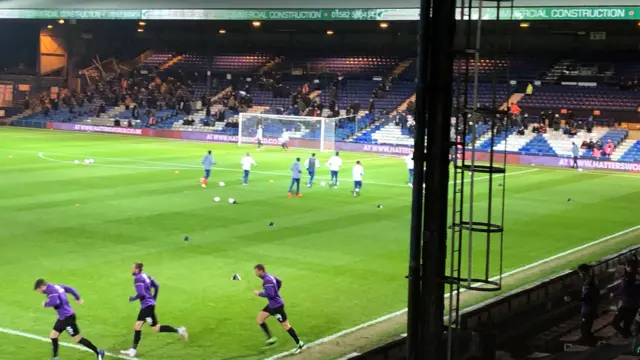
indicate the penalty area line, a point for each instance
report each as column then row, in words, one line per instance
column 400, row 312
column 43, row 339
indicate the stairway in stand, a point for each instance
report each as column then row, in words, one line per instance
column 171, row 62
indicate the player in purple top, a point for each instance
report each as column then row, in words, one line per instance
column 57, row 299
column 143, row 284
column 271, row 291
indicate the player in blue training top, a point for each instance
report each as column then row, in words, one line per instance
column 296, row 172
column 207, row 163
column 57, row 299
column 311, row 164
column 143, row 284
column 275, row 307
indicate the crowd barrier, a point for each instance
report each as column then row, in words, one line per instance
column 346, row 146
column 508, row 321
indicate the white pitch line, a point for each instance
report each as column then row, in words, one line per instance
column 400, row 312
column 175, row 166
column 43, row 339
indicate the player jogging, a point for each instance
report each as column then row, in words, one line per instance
column 57, row 299
column 271, row 291
column 259, row 137
column 357, row 172
column 311, row 164
column 409, row 160
column 207, row 163
column 246, row 162
column 334, row 164
column 296, row 173
column 143, row 284
column 284, row 140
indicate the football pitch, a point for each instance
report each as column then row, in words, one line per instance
column 343, row 260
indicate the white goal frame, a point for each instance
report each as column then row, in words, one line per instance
column 327, row 127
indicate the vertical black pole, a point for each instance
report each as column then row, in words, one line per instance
column 434, row 250
column 415, row 338
column 209, row 70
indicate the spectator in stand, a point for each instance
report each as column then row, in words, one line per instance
column 372, row 106
column 589, row 300
column 608, row 149
column 556, row 123
column 135, row 112
column 590, row 124
column 535, row 128
column 521, row 131
column 514, row 109
column 596, row 152
column 628, row 294
column 411, row 108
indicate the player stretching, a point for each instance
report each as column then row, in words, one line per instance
column 207, row 162
column 57, row 299
column 311, row 164
column 143, row 284
column 246, row 162
column 357, row 172
column 259, row 137
column 409, row 160
column 271, row 290
column 296, row 172
column 284, row 140
column 334, row 164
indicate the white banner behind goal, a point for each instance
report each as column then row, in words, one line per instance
column 303, row 131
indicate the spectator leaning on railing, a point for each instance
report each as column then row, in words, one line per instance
column 589, row 304
column 628, row 294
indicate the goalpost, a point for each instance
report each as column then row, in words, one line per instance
column 304, row 131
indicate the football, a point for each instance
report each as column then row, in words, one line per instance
column 221, row 183
column 216, row 199
column 90, row 161
column 232, row 201
column 324, row 183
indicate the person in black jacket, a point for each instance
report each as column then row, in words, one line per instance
column 589, row 304
column 628, row 293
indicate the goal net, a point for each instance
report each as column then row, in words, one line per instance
column 303, row 131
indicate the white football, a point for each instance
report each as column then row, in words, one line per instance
column 221, row 183
column 231, row 201
column 90, row 161
column 216, row 199
column 324, row 183
column 579, row 170
column 76, row 162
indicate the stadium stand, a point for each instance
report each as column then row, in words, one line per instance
column 577, row 97
column 350, row 88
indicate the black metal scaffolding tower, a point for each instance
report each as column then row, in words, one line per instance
column 471, row 230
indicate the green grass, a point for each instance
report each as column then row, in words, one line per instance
column 342, row 260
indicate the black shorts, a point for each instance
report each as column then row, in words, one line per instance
column 277, row 313
column 67, row 324
column 148, row 315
